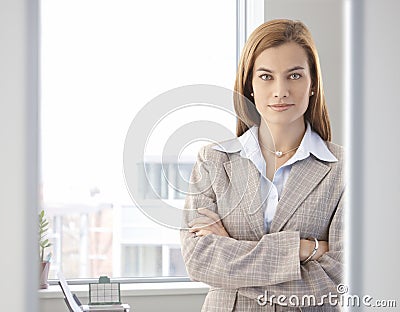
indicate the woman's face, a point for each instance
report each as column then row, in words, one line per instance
column 282, row 84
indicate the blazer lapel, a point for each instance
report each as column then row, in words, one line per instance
column 303, row 178
column 245, row 180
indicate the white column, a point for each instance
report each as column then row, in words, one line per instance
column 18, row 155
column 375, row 120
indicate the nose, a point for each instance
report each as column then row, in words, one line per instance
column 281, row 89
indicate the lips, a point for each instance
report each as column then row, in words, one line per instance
column 280, row 107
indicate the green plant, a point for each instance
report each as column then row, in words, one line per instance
column 43, row 240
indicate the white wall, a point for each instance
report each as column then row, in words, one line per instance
column 18, row 147
column 324, row 19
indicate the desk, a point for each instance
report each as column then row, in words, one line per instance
column 105, row 308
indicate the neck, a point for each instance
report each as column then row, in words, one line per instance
column 281, row 137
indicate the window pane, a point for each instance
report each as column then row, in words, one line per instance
column 101, row 62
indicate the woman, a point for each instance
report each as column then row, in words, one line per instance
column 264, row 216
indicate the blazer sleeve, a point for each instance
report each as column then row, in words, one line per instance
column 318, row 277
column 229, row 263
column 253, row 267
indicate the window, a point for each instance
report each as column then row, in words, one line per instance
column 101, row 62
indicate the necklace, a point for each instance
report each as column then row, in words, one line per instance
column 278, row 153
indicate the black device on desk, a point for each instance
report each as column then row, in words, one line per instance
column 74, row 304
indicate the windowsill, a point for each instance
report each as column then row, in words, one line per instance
column 133, row 290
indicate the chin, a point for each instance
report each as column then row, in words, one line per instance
column 282, row 120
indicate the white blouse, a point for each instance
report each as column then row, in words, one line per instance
column 271, row 191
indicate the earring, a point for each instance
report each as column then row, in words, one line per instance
column 252, row 94
column 312, row 93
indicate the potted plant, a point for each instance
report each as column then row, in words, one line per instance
column 43, row 244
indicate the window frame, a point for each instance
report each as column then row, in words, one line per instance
column 249, row 14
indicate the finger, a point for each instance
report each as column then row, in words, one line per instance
column 201, row 225
column 208, row 227
column 203, row 233
column 211, row 214
column 214, row 229
column 201, row 220
column 198, row 227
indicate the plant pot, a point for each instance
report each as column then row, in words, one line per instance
column 44, row 274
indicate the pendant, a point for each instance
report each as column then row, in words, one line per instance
column 278, row 154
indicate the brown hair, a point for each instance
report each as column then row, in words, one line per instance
column 272, row 34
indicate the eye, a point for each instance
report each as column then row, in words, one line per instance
column 266, row 77
column 295, row 76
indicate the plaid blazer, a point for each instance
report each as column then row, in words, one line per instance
column 250, row 262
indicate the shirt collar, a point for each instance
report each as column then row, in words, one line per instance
column 247, row 145
column 312, row 143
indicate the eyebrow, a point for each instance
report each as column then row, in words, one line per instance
column 288, row 71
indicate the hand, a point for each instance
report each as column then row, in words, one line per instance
column 307, row 246
column 209, row 223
